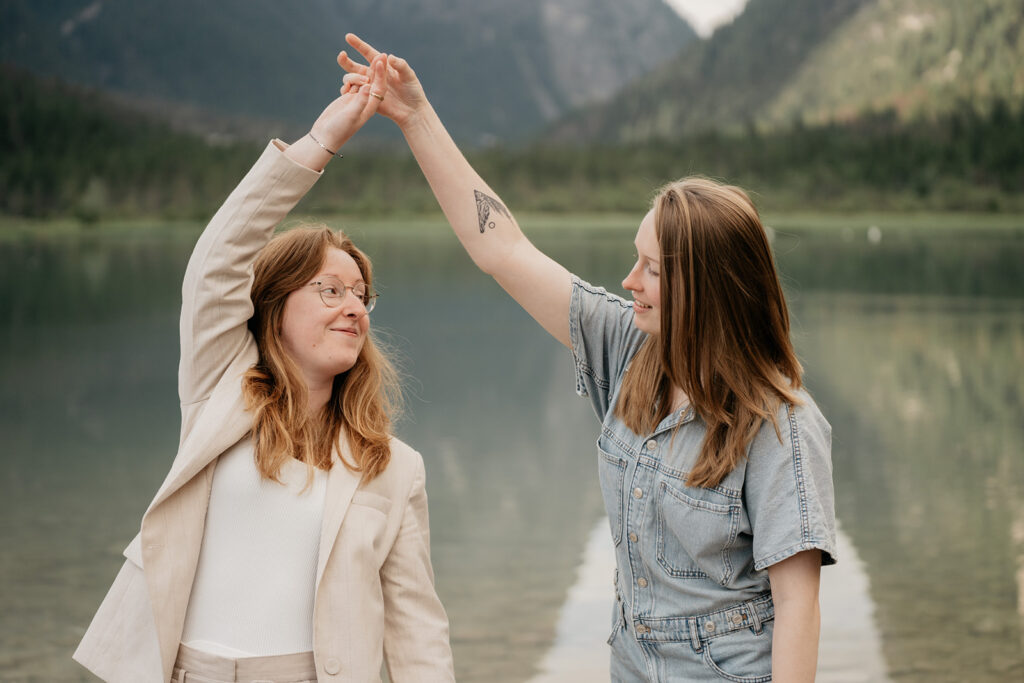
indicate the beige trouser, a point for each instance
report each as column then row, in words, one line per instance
column 194, row 666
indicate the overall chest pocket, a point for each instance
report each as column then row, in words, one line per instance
column 611, row 470
column 695, row 536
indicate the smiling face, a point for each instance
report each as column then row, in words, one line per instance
column 644, row 280
column 323, row 341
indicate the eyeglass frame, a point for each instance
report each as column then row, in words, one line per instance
column 369, row 302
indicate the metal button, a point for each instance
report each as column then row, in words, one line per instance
column 332, row 666
column 738, row 618
column 633, row 537
column 652, row 444
column 638, row 492
column 642, row 582
column 641, row 629
column 709, row 627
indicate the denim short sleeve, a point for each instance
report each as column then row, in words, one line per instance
column 788, row 487
column 603, row 339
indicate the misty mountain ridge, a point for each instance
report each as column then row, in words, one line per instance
column 501, row 72
column 495, row 70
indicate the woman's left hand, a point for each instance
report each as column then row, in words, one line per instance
column 404, row 97
column 340, row 120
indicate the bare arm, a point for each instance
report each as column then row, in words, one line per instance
column 794, row 583
column 476, row 213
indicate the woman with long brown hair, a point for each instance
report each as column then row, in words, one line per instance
column 714, row 462
column 290, row 540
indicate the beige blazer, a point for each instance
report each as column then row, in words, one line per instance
column 375, row 598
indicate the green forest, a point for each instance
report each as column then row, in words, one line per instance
column 68, row 152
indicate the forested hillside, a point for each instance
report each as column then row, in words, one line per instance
column 69, row 152
column 816, row 61
column 920, row 58
column 496, row 70
column 721, row 83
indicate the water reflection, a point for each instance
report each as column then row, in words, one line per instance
column 850, row 648
column 578, row 654
column 924, row 395
column 926, row 404
column 508, row 451
column 87, row 412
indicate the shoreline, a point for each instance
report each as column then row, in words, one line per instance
column 823, row 224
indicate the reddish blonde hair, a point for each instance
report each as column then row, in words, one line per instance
column 724, row 335
column 362, row 399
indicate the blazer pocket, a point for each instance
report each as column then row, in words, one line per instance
column 134, row 550
column 372, row 500
column 121, row 644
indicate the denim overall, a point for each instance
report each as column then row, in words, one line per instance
column 693, row 602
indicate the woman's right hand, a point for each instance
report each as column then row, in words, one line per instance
column 404, row 97
column 340, row 120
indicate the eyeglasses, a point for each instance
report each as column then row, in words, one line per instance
column 332, row 292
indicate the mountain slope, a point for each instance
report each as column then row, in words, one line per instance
column 917, row 57
column 721, row 82
column 493, row 68
column 815, row 61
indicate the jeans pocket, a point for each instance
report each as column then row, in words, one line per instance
column 611, row 470
column 741, row 656
column 618, row 619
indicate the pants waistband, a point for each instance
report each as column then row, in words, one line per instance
column 695, row 629
column 196, row 666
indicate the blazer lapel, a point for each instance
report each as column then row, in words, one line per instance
column 341, row 486
column 172, row 528
column 222, row 422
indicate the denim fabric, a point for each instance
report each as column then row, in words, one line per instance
column 693, row 600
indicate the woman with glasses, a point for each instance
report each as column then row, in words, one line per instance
column 290, row 540
column 714, row 462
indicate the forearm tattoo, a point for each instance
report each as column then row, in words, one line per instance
column 484, row 204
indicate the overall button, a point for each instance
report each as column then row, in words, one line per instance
column 652, row 444
column 709, row 627
column 641, row 629
column 633, row 537
column 642, row 582
column 332, row 666
column 638, row 492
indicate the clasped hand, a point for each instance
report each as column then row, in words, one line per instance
column 340, row 120
column 403, row 95
column 386, row 84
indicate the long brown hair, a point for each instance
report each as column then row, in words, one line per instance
column 724, row 327
column 362, row 399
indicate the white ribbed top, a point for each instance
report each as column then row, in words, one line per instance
column 254, row 585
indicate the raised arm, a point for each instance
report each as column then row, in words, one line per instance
column 215, row 292
column 476, row 213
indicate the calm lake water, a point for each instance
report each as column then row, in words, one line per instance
column 914, row 349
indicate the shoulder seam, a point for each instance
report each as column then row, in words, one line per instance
column 798, row 473
column 601, row 291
